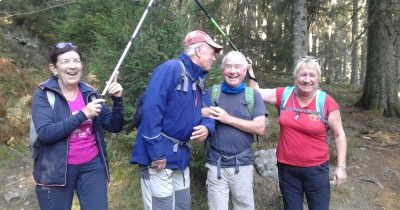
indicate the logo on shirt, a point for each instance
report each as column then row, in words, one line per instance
column 84, row 130
column 314, row 117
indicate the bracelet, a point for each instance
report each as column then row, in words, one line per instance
column 344, row 167
column 252, row 78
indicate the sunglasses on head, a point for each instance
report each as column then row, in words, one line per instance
column 309, row 58
column 62, row 45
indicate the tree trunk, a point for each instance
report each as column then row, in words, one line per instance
column 380, row 89
column 397, row 65
column 343, row 75
column 363, row 63
column 354, row 53
column 299, row 29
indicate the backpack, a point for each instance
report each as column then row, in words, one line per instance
column 33, row 135
column 248, row 96
column 319, row 103
column 182, row 85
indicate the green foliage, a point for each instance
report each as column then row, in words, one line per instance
column 10, row 154
column 124, row 185
column 199, row 153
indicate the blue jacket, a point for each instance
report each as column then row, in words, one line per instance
column 173, row 112
column 55, row 126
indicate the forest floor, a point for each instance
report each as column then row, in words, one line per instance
column 373, row 164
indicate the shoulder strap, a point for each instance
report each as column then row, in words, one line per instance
column 183, row 81
column 249, row 98
column 285, row 96
column 51, row 98
column 320, row 104
column 183, row 67
column 215, row 93
column 33, row 135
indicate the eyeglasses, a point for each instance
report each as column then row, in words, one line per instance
column 62, row 45
column 309, row 58
column 230, row 66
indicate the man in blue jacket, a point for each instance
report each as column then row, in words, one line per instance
column 171, row 116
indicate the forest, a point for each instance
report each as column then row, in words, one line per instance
column 356, row 41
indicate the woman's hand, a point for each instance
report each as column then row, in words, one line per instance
column 93, row 108
column 340, row 176
column 115, row 89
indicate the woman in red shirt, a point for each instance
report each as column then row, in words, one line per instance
column 303, row 150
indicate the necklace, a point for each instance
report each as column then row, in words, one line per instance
column 295, row 108
column 300, row 109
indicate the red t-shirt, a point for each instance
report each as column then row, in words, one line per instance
column 302, row 139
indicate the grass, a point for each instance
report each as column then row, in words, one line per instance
column 124, row 188
column 10, row 154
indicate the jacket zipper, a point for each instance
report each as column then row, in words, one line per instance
column 99, row 143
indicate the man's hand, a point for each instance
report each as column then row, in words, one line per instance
column 205, row 112
column 159, row 164
column 199, row 134
column 217, row 113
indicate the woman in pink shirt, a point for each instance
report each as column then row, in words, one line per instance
column 70, row 153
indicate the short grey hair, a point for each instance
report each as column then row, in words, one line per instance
column 233, row 53
column 191, row 49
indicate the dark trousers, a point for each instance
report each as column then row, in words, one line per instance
column 294, row 182
column 89, row 181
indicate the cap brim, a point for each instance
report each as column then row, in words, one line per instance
column 216, row 46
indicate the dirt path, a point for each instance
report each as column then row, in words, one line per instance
column 17, row 187
column 373, row 163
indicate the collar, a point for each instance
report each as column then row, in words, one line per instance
column 195, row 70
column 226, row 88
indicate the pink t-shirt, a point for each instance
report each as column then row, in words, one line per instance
column 302, row 139
column 82, row 141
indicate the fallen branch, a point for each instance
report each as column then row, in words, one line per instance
column 371, row 179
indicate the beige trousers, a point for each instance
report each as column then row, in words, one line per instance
column 240, row 186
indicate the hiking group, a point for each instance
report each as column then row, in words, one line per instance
column 69, row 152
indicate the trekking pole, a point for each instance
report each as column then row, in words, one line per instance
column 221, row 31
column 126, row 48
column 217, row 26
